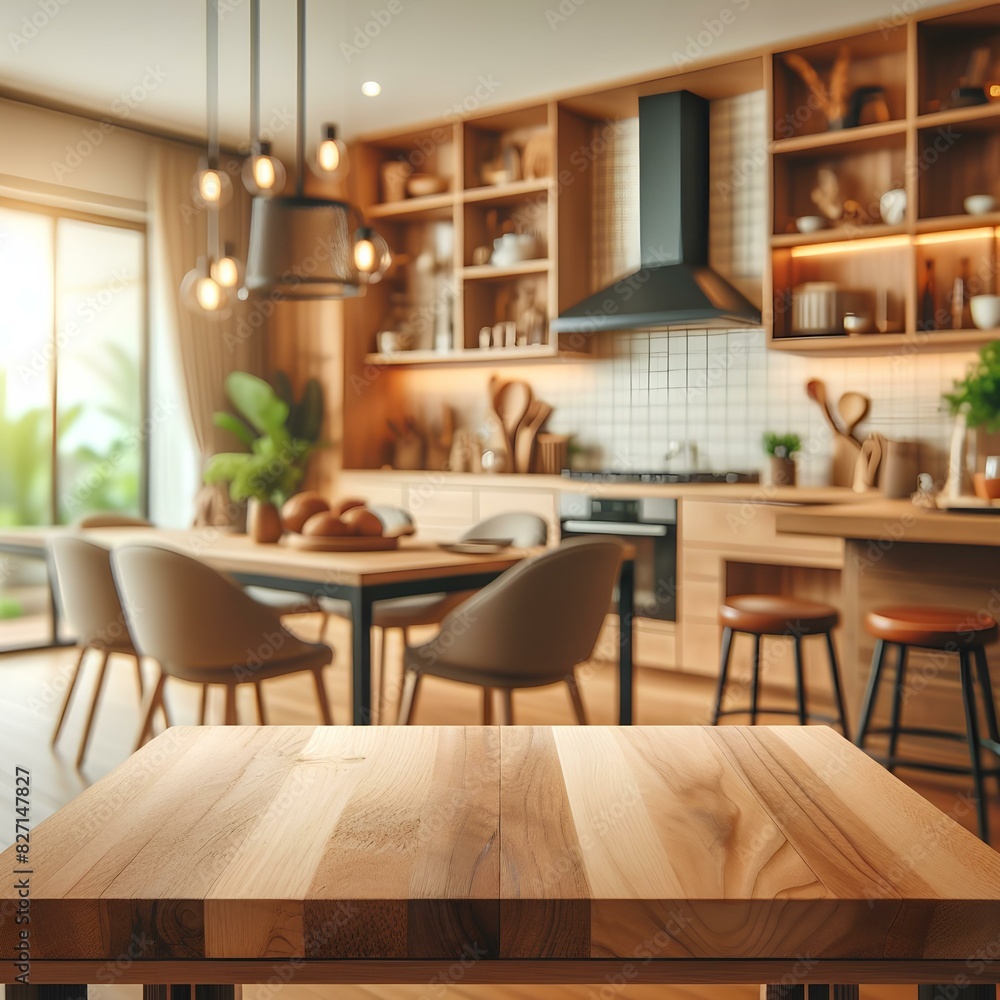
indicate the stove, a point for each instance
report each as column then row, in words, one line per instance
column 635, row 476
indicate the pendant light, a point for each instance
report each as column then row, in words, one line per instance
column 204, row 288
column 263, row 174
column 308, row 248
column 331, row 154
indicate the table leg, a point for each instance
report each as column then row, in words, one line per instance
column 814, row 991
column 188, row 992
column 626, row 615
column 952, row 991
column 17, row 991
column 361, row 657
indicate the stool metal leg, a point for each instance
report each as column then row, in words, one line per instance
column 756, row 680
column 800, row 681
column 897, row 705
column 838, row 693
column 727, row 646
column 871, row 692
column 972, row 729
column 989, row 705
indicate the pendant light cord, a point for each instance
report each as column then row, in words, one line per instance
column 212, row 77
column 300, row 138
column 255, row 69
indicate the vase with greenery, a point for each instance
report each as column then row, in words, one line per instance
column 782, row 449
column 975, row 403
column 280, row 433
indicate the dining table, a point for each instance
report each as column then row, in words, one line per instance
column 225, row 855
column 361, row 578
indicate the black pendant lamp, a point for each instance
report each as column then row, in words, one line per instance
column 311, row 248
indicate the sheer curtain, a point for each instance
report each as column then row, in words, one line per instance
column 207, row 351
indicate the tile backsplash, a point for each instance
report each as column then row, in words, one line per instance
column 711, row 395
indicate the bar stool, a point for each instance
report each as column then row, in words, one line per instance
column 948, row 630
column 762, row 615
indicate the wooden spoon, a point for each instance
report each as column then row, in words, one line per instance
column 853, row 408
column 511, row 402
column 817, row 392
column 524, row 445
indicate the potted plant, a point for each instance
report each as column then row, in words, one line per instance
column 975, row 403
column 782, row 449
column 280, row 433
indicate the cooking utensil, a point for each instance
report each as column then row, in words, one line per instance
column 511, row 401
column 845, row 448
column 524, row 444
column 816, row 391
column 866, row 468
column 553, row 453
column 853, row 408
column 898, row 471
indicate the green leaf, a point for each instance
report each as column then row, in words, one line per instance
column 235, row 426
column 256, row 402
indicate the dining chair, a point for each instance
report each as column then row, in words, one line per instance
column 529, row 628
column 89, row 600
column 203, row 628
column 523, row 529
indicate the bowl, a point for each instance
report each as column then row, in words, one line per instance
column 810, row 223
column 392, row 341
column 512, row 248
column 892, row 206
column 985, row 311
column 980, row 204
column 853, row 323
column 420, row 185
column 986, row 489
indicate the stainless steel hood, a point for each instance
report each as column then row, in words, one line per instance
column 674, row 285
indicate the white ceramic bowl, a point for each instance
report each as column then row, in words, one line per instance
column 512, row 248
column 985, row 311
column 980, row 204
column 809, row 223
column 853, row 323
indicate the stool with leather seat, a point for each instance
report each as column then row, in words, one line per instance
column 947, row 630
column 762, row 615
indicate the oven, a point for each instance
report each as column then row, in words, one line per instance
column 649, row 526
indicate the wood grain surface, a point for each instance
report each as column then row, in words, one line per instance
column 506, row 845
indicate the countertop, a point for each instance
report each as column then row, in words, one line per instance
column 889, row 521
column 732, row 492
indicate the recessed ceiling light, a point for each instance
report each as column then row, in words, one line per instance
column 371, row 89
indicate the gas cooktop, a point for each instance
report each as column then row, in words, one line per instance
column 634, row 476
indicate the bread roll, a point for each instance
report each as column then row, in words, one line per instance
column 362, row 521
column 326, row 524
column 343, row 506
column 299, row 508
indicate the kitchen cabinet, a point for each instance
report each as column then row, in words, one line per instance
column 927, row 143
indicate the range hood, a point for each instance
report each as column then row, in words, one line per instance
column 674, row 285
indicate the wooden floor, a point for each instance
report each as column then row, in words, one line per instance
column 32, row 687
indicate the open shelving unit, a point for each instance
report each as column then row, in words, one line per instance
column 931, row 146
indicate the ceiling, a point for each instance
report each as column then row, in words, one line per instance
column 144, row 60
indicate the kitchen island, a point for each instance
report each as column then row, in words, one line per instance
column 896, row 553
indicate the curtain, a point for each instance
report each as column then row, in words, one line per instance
column 207, row 350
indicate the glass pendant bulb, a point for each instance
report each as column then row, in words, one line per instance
column 212, row 186
column 263, row 174
column 371, row 255
column 228, row 269
column 331, row 154
column 201, row 293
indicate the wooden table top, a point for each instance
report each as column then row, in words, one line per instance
column 892, row 521
column 238, row 553
column 414, row 843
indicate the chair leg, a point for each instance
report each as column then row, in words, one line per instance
column 800, row 682
column 154, row 700
column 101, row 671
column 323, row 622
column 506, row 706
column 232, row 719
column 487, row 706
column 755, row 682
column 897, row 706
column 69, row 693
column 989, row 705
column 408, row 698
column 574, row 696
column 838, row 693
column 321, row 698
column 380, row 701
column 258, row 694
column 972, row 730
column 203, row 710
column 727, row 648
column 871, row 691
column 138, row 674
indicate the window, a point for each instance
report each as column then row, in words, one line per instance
column 72, row 381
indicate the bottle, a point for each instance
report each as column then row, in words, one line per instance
column 927, row 319
column 961, row 312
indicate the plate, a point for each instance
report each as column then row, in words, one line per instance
column 478, row 546
column 338, row 543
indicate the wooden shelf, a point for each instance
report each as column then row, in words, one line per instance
column 948, row 223
column 887, row 343
column 487, row 272
column 986, row 115
column 500, row 194
column 491, row 355
column 839, row 234
column 438, row 206
column 820, row 141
